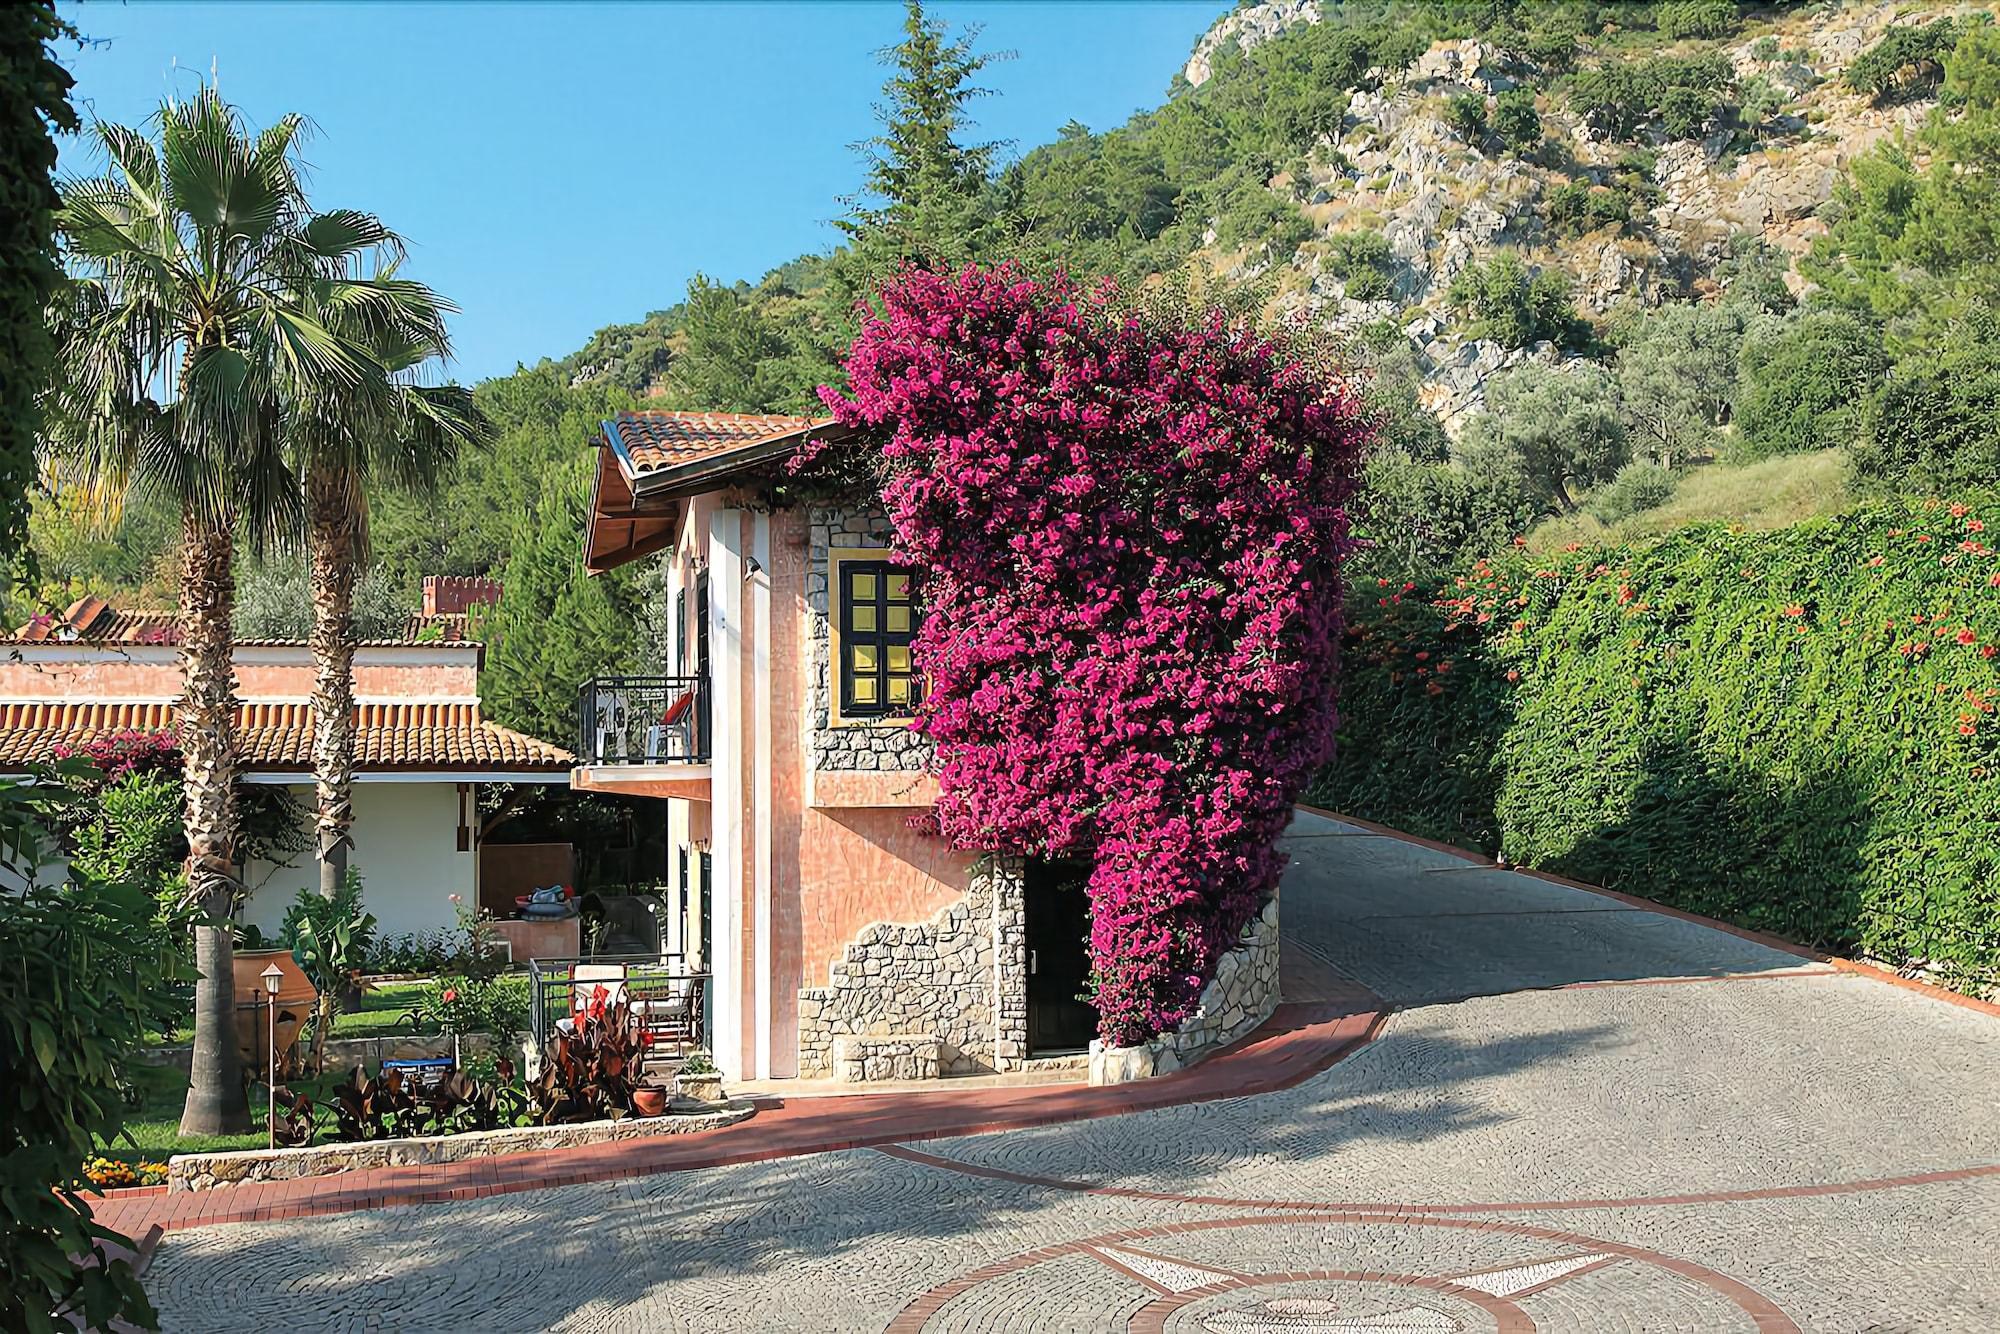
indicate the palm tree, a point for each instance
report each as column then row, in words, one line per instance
column 405, row 432
column 193, row 336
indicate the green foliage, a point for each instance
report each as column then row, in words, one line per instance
column 733, row 357
column 1802, row 383
column 1764, row 49
column 1696, row 18
column 88, row 975
column 1793, row 731
column 1363, row 263
column 274, row 601
column 1677, row 376
column 555, row 626
column 1578, row 208
column 1515, row 119
column 1914, row 244
column 1936, row 426
column 461, row 1005
column 1678, row 94
column 34, row 100
column 1466, row 113
column 1514, row 308
column 1761, row 100
column 1909, row 60
column 1546, row 434
column 1421, row 516
column 131, row 832
column 332, row 939
column 1639, row 486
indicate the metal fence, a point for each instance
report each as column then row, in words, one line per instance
column 643, row 720
column 664, row 995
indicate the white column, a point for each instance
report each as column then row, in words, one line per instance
column 725, row 633
column 760, row 782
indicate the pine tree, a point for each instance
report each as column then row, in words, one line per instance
column 920, row 203
column 556, row 627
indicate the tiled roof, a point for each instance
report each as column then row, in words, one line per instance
column 94, row 621
column 274, row 736
column 650, row 441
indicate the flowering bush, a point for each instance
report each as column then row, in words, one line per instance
column 111, row 1173
column 1130, row 530
column 1797, row 731
column 126, row 751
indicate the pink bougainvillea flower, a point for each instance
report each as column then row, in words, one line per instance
column 1131, row 533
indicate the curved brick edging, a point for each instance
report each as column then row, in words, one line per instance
column 212, row 1171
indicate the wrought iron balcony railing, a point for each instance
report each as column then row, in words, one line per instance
column 643, row 720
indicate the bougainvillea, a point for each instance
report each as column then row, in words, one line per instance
column 1129, row 529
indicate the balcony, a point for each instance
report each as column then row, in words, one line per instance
column 644, row 735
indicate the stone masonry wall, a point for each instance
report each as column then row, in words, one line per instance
column 936, row 979
column 893, row 747
column 1237, row 999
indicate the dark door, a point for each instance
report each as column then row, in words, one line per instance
column 1059, row 1019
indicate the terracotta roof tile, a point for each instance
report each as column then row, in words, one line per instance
column 651, row 441
column 278, row 736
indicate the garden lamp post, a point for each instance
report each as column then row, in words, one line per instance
column 272, row 976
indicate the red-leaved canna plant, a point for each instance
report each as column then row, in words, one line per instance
column 1130, row 530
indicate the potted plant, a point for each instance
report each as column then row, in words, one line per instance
column 649, row 1100
column 699, row 1079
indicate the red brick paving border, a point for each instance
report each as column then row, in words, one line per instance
column 1297, row 1042
column 1855, row 966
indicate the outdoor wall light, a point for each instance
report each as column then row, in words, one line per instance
column 751, row 569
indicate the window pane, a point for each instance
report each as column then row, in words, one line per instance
column 899, row 620
column 861, row 658
column 899, row 658
column 863, row 615
column 899, row 690
column 899, row 588
column 864, row 690
column 861, row 585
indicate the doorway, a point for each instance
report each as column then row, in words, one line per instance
column 1060, row 1021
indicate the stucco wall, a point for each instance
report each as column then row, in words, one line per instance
column 406, row 848
column 152, row 672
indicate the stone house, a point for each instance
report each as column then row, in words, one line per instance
column 843, row 939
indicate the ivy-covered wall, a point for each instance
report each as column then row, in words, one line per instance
column 1794, row 731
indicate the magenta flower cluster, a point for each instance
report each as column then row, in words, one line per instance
column 1130, row 533
column 127, row 750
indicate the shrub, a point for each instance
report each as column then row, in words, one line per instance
column 1907, row 61
column 1679, row 94
column 331, row 939
column 1802, row 384
column 1697, row 18
column 1795, row 731
column 1466, row 114
column 1546, row 434
column 1130, row 528
column 1764, row 49
column 462, row 1005
column 1514, row 308
column 1515, row 119
column 1936, row 426
column 1639, row 486
column 1578, row 208
column 1363, row 263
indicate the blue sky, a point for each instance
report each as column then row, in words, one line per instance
column 558, row 168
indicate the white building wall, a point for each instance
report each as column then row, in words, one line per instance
column 406, row 849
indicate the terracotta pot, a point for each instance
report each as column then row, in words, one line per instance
column 649, row 1101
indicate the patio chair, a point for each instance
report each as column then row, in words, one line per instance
column 676, row 724
column 672, row 1014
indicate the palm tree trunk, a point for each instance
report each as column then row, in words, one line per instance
column 333, row 553
column 216, row 1104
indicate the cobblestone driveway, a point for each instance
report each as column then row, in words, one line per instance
column 1582, row 1117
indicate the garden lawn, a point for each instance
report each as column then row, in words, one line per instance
column 383, row 1006
column 155, row 1124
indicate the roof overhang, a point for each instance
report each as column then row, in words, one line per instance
column 635, row 512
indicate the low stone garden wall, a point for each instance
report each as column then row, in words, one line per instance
column 207, row 1171
column 1240, row 997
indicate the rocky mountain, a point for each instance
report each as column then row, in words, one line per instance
column 1405, row 166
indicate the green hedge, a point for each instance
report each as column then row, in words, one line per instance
column 1793, row 731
